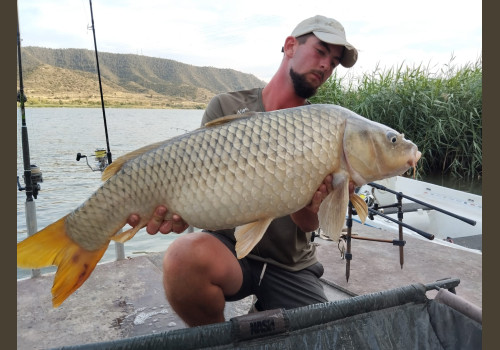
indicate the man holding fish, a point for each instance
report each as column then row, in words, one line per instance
column 266, row 165
column 201, row 269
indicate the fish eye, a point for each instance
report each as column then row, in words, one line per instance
column 392, row 136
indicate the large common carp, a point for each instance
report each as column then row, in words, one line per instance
column 240, row 171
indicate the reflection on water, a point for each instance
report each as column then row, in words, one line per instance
column 465, row 185
column 56, row 135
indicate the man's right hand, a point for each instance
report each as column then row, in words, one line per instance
column 158, row 222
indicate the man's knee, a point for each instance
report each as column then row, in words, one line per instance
column 201, row 258
column 184, row 253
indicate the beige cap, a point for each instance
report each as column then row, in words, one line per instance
column 330, row 31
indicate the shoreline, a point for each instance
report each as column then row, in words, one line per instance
column 198, row 106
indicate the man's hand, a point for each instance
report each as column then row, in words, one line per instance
column 307, row 217
column 158, row 222
column 324, row 189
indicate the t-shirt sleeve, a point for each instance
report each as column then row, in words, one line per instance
column 236, row 102
column 213, row 111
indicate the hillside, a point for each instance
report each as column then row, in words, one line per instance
column 68, row 77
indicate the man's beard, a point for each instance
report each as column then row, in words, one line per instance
column 301, row 86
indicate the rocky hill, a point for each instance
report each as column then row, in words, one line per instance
column 68, row 77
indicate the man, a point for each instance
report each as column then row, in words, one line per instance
column 201, row 271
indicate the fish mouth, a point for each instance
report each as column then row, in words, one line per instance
column 412, row 163
column 359, row 180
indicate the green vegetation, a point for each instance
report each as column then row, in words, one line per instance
column 440, row 112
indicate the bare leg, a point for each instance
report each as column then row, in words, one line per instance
column 198, row 270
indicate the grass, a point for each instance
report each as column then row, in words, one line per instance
column 439, row 110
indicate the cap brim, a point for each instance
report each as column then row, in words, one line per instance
column 350, row 53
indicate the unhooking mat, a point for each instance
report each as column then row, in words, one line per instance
column 401, row 318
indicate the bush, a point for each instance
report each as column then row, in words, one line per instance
column 440, row 112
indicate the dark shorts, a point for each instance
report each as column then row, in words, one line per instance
column 279, row 288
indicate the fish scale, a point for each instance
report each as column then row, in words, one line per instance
column 227, row 170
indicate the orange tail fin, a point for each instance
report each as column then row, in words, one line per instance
column 52, row 246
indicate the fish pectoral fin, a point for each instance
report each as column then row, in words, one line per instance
column 333, row 209
column 247, row 236
column 227, row 119
column 360, row 206
column 126, row 235
column 52, row 246
column 117, row 164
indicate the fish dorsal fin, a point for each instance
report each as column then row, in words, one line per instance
column 227, row 119
column 360, row 206
column 247, row 236
column 334, row 207
column 115, row 167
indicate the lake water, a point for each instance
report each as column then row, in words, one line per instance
column 56, row 135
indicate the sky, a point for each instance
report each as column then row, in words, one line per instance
column 248, row 35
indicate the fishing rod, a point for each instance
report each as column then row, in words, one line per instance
column 31, row 186
column 119, row 247
column 24, row 129
column 100, row 86
column 402, row 224
column 103, row 158
column 464, row 219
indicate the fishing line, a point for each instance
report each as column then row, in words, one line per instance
column 85, row 15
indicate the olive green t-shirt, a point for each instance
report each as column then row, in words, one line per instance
column 284, row 244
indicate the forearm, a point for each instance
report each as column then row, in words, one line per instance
column 306, row 219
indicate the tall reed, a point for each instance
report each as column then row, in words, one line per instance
column 440, row 111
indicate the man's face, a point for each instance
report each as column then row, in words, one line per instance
column 312, row 64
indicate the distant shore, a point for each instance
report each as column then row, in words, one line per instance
column 41, row 103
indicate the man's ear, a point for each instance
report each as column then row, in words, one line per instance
column 290, row 46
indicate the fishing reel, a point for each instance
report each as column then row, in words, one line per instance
column 36, row 178
column 19, row 97
column 100, row 158
column 367, row 196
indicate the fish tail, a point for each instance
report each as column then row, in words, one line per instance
column 52, row 246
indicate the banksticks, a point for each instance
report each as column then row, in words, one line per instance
column 348, row 255
column 398, row 242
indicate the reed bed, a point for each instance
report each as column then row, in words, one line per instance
column 440, row 110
